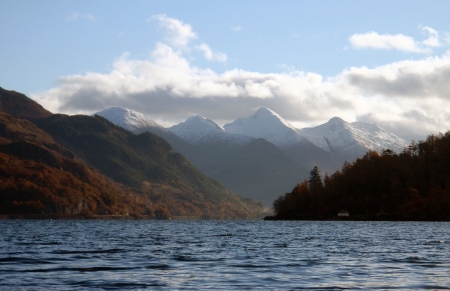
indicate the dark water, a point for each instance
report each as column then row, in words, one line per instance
column 223, row 255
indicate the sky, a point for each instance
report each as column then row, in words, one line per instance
column 383, row 62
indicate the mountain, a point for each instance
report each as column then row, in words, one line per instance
column 198, row 129
column 57, row 163
column 143, row 161
column 131, row 120
column 40, row 177
column 223, row 152
column 137, row 123
column 251, row 167
column 347, row 141
column 248, row 166
column 265, row 124
column 258, row 170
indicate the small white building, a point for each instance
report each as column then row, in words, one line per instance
column 343, row 213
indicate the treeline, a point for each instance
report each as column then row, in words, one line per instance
column 414, row 184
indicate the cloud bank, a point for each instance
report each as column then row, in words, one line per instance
column 410, row 98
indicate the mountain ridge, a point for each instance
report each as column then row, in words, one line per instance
column 100, row 169
column 267, row 124
column 214, row 149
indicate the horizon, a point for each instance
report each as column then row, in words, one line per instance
column 376, row 62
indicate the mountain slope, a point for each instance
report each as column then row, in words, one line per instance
column 36, row 171
column 347, row 141
column 248, row 167
column 20, row 106
column 219, row 151
column 143, row 160
column 258, row 170
column 137, row 123
column 38, row 176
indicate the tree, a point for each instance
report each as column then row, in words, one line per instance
column 315, row 181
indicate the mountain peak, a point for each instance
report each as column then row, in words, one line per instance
column 264, row 111
column 197, row 129
column 127, row 118
column 335, row 123
column 199, row 118
column 267, row 124
column 336, row 119
column 202, row 121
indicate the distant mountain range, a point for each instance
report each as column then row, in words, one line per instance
column 263, row 156
column 55, row 164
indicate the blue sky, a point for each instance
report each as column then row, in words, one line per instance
column 376, row 61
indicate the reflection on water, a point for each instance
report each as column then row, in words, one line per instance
column 223, row 255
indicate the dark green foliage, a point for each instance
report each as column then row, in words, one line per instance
column 315, row 181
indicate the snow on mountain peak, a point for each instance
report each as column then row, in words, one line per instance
column 264, row 111
column 381, row 139
column 337, row 135
column 203, row 122
column 267, row 124
column 129, row 119
column 197, row 129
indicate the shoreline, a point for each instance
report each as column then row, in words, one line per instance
column 72, row 217
column 357, row 218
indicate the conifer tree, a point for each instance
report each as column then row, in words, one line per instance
column 315, row 181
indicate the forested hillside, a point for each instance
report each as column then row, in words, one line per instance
column 52, row 164
column 414, row 184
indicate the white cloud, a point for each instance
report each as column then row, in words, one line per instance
column 77, row 16
column 433, row 38
column 398, row 96
column 409, row 98
column 374, row 40
column 178, row 33
column 210, row 55
column 399, row 42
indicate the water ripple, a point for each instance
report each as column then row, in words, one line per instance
column 223, row 255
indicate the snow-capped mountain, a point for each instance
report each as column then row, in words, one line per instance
column 262, row 169
column 198, row 129
column 268, row 125
column 129, row 119
column 335, row 136
column 340, row 137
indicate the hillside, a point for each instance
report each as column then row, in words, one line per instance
column 58, row 162
column 38, row 176
column 20, row 106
